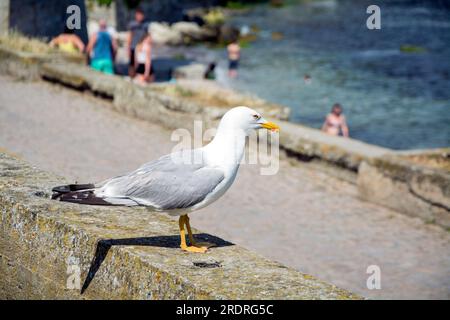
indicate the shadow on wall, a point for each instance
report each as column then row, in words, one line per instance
column 173, row 242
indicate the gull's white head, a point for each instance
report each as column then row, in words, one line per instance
column 245, row 119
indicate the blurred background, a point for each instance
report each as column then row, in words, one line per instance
column 330, row 211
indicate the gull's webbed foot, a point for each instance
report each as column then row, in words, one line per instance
column 203, row 244
column 194, row 248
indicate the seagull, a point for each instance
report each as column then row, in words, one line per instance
column 181, row 182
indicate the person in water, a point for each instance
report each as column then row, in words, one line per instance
column 68, row 42
column 102, row 48
column 143, row 59
column 234, row 54
column 335, row 123
column 307, row 79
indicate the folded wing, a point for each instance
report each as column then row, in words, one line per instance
column 174, row 181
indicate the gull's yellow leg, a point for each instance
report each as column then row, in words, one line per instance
column 194, row 243
column 189, row 230
column 184, row 220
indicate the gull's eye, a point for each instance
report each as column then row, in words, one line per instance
column 256, row 117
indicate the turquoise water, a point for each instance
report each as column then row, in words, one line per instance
column 391, row 98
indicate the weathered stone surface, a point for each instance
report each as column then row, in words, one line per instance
column 182, row 32
column 212, row 96
column 162, row 33
column 192, row 71
column 436, row 158
column 139, row 258
column 26, row 65
column 407, row 187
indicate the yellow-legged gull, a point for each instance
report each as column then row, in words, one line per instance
column 181, row 182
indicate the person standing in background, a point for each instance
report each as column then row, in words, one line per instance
column 335, row 122
column 102, row 48
column 143, row 59
column 234, row 54
column 136, row 30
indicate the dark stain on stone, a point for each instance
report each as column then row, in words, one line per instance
column 204, row 264
column 41, row 194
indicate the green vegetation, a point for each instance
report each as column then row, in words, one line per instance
column 214, row 17
column 129, row 3
column 179, row 56
column 245, row 4
column 236, row 5
column 407, row 48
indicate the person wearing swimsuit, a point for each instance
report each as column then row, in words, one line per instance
column 102, row 48
column 234, row 54
column 68, row 42
column 335, row 123
column 143, row 59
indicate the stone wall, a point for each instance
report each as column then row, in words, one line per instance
column 407, row 187
column 52, row 250
column 27, row 65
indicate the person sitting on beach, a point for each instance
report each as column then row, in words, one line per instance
column 210, row 72
column 136, row 30
column 234, row 54
column 102, row 48
column 335, row 122
column 68, row 42
column 143, row 59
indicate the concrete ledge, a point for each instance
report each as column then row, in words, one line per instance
column 137, row 257
column 131, row 99
column 407, row 187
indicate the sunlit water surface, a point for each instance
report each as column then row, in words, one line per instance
column 391, row 98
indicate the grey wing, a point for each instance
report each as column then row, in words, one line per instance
column 165, row 184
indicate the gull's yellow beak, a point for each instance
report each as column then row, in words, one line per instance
column 270, row 126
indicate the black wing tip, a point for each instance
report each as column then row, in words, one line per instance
column 73, row 187
column 78, row 193
column 58, row 191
